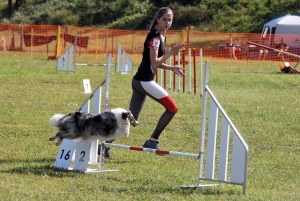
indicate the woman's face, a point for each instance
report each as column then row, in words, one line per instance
column 165, row 21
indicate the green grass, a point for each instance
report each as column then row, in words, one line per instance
column 262, row 103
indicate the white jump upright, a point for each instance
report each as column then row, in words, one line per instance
column 86, row 152
column 124, row 61
column 201, row 77
column 65, row 60
column 229, row 146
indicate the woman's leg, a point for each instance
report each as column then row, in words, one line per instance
column 260, row 52
column 157, row 93
column 138, row 99
column 278, row 55
column 233, row 52
column 136, row 105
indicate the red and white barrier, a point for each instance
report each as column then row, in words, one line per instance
column 157, row 151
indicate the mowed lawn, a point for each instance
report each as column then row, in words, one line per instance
column 262, row 103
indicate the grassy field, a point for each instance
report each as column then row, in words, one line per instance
column 261, row 102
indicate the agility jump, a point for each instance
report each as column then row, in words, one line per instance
column 222, row 153
column 67, row 61
column 228, row 148
column 273, row 49
column 124, row 61
column 291, row 69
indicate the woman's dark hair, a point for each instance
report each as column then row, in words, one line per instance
column 158, row 15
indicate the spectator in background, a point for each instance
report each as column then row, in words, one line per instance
column 288, row 69
column 283, row 47
column 2, row 45
column 263, row 51
column 231, row 47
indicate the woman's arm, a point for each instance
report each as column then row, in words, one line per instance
column 157, row 61
column 175, row 69
column 165, row 66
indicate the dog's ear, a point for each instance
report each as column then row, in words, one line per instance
column 125, row 114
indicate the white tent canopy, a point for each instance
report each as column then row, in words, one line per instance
column 287, row 27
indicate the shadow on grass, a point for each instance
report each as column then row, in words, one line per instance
column 256, row 72
column 41, row 167
column 44, row 167
column 36, row 160
column 124, row 161
column 145, row 185
column 212, row 191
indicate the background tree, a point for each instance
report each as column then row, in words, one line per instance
column 204, row 15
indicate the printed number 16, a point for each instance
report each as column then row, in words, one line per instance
column 67, row 156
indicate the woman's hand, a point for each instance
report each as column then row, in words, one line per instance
column 177, row 71
column 155, row 61
column 177, row 47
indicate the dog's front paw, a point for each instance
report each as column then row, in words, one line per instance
column 51, row 138
column 58, row 143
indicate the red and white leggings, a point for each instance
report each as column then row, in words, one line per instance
column 141, row 90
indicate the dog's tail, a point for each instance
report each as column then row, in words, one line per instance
column 54, row 120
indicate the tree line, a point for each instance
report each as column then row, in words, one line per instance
column 203, row 15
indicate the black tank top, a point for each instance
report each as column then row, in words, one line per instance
column 145, row 71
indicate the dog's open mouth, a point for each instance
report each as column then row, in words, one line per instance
column 135, row 124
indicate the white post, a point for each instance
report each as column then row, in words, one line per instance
column 170, row 74
column 107, row 82
column 178, row 63
column 123, row 68
column 201, row 82
column 203, row 123
column 161, row 77
column 189, row 70
column 119, row 58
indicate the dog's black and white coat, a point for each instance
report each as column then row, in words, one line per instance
column 105, row 126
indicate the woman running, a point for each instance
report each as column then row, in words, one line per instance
column 143, row 83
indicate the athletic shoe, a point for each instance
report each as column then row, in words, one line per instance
column 151, row 144
column 106, row 152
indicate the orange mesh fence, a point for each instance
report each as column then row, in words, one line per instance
column 93, row 44
column 28, row 38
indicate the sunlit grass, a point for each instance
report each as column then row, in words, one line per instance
column 262, row 103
